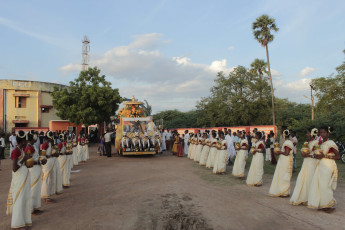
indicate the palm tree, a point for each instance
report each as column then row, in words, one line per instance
column 258, row 67
column 262, row 28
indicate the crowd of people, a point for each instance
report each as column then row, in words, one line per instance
column 317, row 178
column 41, row 168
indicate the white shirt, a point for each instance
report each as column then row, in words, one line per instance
column 13, row 140
column 2, row 140
column 107, row 137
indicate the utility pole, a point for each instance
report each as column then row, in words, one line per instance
column 312, row 102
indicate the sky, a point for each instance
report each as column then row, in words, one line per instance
column 169, row 52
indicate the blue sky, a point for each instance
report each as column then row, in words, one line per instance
column 169, row 52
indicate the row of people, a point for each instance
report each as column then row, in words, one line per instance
column 317, row 178
column 40, row 172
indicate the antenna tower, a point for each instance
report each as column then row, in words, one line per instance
column 85, row 53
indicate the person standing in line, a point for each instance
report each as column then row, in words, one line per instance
column 13, row 141
column 241, row 157
column 107, row 142
column 305, row 176
column 256, row 170
column 35, row 172
column 324, row 181
column 186, row 140
column 294, row 141
column 2, row 148
column 19, row 196
column 280, row 186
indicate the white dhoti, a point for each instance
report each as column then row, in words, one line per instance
column 19, row 198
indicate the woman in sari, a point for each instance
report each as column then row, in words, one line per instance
column 205, row 151
column 256, row 170
column 280, row 186
column 49, row 174
column 180, row 152
column 195, row 144
column 222, row 153
column 86, row 149
column 305, row 176
column 35, row 173
column 213, row 151
column 324, row 181
column 190, row 141
column 175, row 144
column 19, row 196
column 199, row 149
column 65, row 169
column 241, row 157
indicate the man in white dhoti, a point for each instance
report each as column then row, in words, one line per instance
column 186, row 140
column 13, row 141
column 163, row 140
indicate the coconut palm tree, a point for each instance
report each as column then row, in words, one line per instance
column 262, row 28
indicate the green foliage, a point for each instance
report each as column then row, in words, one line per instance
column 330, row 107
column 88, row 100
column 177, row 119
column 148, row 108
column 241, row 98
column 262, row 28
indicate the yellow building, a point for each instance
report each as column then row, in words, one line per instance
column 26, row 104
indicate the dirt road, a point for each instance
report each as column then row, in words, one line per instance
column 166, row 192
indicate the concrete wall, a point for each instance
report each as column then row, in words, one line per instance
column 39, row 94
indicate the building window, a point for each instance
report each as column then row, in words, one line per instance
column 20, row 102
column 45, row 110
column 21, row 125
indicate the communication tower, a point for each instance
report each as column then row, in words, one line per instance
column 85, row 53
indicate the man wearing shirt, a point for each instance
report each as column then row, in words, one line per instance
column 13, row 141
column 107, row 142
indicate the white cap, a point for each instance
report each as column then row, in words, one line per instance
column 124, row 133
column 136, row 134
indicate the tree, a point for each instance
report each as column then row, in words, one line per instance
column 262, row 28
column 177, row 119
column 88, row 100
column 241, row 98
column 148, row 108
column 258, row 67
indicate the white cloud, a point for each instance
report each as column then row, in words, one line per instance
column 306, row 71
column 231, row 48
column 166, row 82
column 70, row 68
column 294, row 91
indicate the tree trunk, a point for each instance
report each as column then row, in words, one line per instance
column 272, row 89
